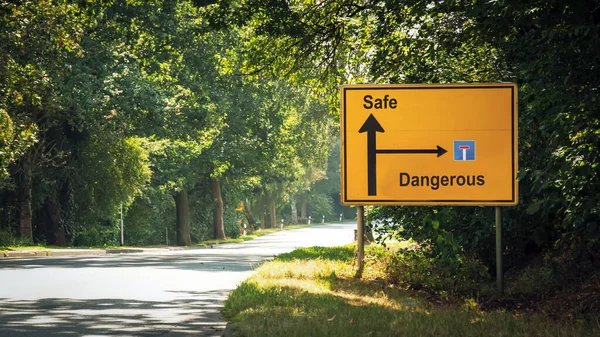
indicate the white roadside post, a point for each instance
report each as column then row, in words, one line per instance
column 122, row 235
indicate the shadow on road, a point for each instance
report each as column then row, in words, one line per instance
column 213, row 262
column 113, row 317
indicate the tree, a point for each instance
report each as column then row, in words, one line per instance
column 311, row 142
column 37, row 39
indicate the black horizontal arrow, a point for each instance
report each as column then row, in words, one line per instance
column 439, row 151
column 371, row 127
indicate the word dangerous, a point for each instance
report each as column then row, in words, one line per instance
column 434, row 182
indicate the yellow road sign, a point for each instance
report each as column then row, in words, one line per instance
column 436, row 144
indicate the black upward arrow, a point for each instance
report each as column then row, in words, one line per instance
column 371, row 127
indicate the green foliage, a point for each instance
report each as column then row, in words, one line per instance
column 232, row 228
column 150, row 218
column 320, row 205
column 557, row 49
column 331, row 186
column 550, row 57
column 6, row 239
column 533, row 278
column 550, row 49
column 110, row 175
column 105, row 234
column 420, row 269
column 447, row 231
column 100, row 96
column 14, row 141
column 201, row 209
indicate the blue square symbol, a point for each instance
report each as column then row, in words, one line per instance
column 464, row 150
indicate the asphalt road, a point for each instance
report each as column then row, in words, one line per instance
column 177, row 293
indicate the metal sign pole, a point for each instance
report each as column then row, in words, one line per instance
column 360, row 240
column 499, row 272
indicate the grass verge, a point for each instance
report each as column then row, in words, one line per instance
column 43, row 247
column 311, row 292
column 254, row 235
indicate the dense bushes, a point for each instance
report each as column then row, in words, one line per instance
column 551, row 50
column 417, row 268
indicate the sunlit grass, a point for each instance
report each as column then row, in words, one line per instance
column 311, row 292
column 254, row 235
column 395, row 245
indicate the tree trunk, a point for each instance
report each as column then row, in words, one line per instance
column 25, row 227
column 263, row 219
column 303, row 208
column 218, row 225
column 51, row 223
column 294, row 212
column 249, row 217
column 273, row 215
column 183, row 218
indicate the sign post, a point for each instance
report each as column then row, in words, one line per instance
column 360, row 240
column 499, row 250
column 437, row 144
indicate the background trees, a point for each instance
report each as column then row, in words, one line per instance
column 146, row 107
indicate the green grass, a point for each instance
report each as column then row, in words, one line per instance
column 49, row 247
column 311, row 292
column 248, row 237
column 254, row 235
